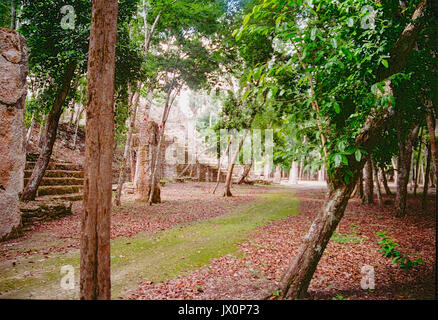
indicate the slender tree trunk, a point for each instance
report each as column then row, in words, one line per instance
column 404, row 161
column 95, row 280
column 245, row 172
column 431, row 123
column 395, row 166
column 49, row 136
column 368, row 182
column 166, row 111
column 122, row 173
column 219, row 167
column 13, row 15
column 78, row 119
column 29, row 131
column 144, row 116
column 426, row 178
column 376, row 179
column 417, row 165
column 41, row 133
column 227, row 187
column 385, row 182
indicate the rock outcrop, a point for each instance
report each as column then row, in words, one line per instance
column 13, row 90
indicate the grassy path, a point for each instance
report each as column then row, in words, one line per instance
column 149, row 258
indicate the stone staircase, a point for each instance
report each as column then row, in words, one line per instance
column 62, row 180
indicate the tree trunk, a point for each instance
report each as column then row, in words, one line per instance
column 126, row 153
column 154, row 181
column 297, row 278
column 49, row 136
column 219, row 167
column 13, row 15
column 376, row 179
column 245, row 172
column 78, row 119
column 431, row 122
column 385, row 182
column 426, row 178
column 404, row 168
column 368, row 182
column 417, row 165
column 227, row 187
column 95, row 280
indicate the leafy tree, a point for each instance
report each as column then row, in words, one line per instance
column 348, row 67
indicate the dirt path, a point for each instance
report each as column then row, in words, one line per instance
column 155, row 243
column 199, row 246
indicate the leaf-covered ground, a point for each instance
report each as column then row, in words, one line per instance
column 196, row 245
column 267, row 254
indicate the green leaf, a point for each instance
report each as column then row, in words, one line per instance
column 358, row 156
column 385, row 63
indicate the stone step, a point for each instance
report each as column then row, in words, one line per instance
column 67, row 197
column 65, row 181
column 57, row 166
column 58, row 190
column 58, row 174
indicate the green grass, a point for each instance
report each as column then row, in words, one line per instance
column 158, row 257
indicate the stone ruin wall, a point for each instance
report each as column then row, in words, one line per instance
column 13, row 90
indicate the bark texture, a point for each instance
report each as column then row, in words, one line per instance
column 368, row 182
column 404, row 168
column 13, row 90
column 95, row 280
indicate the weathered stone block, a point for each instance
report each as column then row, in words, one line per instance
column 13, row 89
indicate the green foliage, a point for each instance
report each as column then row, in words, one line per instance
column 324, row 55
column 339, row 297
column 388, row 250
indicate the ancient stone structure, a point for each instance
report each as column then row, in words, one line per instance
column 38, row 211
column 13, row 89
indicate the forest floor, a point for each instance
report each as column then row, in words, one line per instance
column 195, row 245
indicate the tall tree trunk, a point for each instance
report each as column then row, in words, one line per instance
column 95, row 280
column 376, row 180
column 78, row 119
column 29, row 131
column 13, row 14
column 149, row 132
column 404, row 168
column 385, row 182
column 297, row 277
column 426, row 178
column 368, row 182
column 41, row 133
column 245, row 172
column 122, row 173
column 219, row 164
column 154, row 171
column 417, row 165
column 227, row 188
column 49, row 136
column 431, row 123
